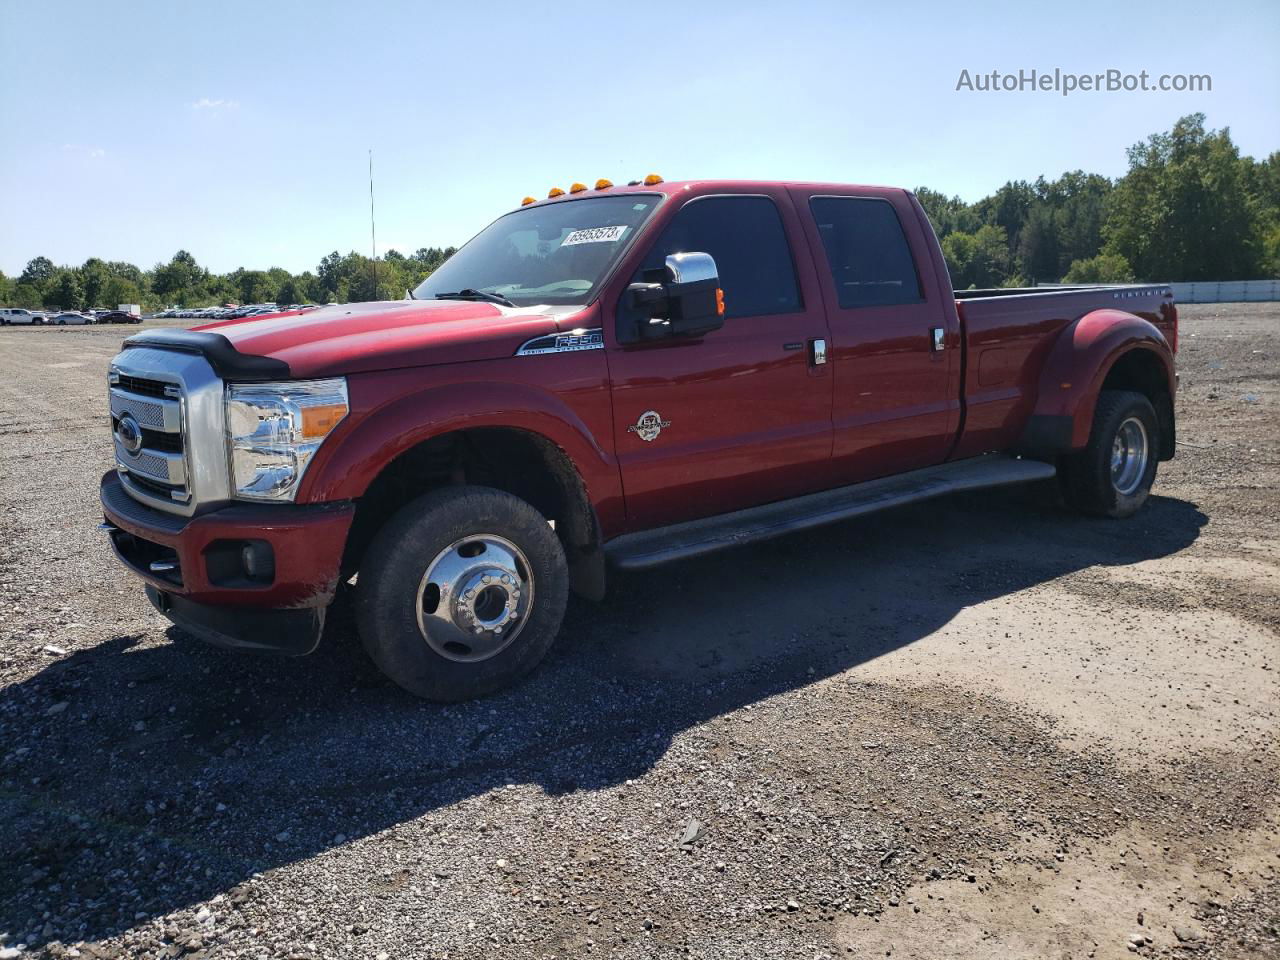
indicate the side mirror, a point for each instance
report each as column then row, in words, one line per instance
column 689, row 303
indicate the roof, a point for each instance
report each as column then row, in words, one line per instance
column 672, row 187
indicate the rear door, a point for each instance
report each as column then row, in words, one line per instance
column 894, row 344
column 741, row 416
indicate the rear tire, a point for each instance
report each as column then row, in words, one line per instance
column 1112, row 476
column 461, row 593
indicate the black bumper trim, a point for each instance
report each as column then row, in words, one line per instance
column 115, row 498
column 293, row 633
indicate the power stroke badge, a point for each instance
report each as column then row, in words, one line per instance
column 649, row 426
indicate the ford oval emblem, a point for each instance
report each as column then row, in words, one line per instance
column 129, row 433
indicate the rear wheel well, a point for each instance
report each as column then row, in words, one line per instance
column 524, row 464
column 1142, row 371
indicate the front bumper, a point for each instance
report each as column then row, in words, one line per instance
column 185, row 563
column 290, row 632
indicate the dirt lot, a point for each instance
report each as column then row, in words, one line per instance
column 980, row 728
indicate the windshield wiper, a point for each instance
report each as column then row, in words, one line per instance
column 470, row 293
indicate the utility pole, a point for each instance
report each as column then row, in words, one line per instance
column 373, row 230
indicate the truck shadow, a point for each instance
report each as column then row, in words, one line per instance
column 175, row 772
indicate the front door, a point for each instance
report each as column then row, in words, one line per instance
column 742, row 415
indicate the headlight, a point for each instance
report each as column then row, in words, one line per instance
column 275, row 429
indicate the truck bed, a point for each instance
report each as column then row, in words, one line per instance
column 1007, row 336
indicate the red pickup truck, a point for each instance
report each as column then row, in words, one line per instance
column 611, row 377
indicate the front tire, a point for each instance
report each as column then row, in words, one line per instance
column 461, row 593
column 1112, row 476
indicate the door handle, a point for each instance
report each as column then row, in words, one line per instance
column 938, row 338
column 817, row 352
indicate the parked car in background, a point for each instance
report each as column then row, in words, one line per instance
column 72, row 317
column 119, row 316
column 19, row 315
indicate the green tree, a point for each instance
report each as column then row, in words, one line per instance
column 125, row 271
column 118, row 290
column 38, row 273
column 1104, row 268
column 1009, row 207
column 26, row 295
column 947, row 214
column 288, row 293
column 1038, row 243
column 1183, row 211
column 251, row 286
column 93, row 278
column 64, row 290
column 1079, row 201
column 181, row 280
column 978, row 260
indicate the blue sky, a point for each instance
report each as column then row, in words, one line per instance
column 240, row 131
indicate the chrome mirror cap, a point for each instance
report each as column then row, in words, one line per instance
column 691, row 267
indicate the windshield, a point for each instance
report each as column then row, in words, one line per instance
column 557, row 254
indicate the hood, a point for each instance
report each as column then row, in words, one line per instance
column 362, row 337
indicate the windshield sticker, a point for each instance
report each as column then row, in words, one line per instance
column 594, row 235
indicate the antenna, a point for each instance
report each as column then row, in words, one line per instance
column 373, row 230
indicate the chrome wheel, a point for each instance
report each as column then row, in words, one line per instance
column 475, row 597
column 1129, row 456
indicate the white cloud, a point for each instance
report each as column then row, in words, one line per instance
column 205, row 103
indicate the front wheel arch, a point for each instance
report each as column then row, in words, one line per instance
column 523, row 463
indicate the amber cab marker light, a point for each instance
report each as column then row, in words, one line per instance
column 577, row 188
column 652, row 179
column 603, row 184
column 526, row 201
column 555, row 192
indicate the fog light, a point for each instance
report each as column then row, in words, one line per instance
column 258, row 560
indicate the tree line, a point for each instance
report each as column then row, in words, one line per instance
column 183, row 282
column 1190, row 207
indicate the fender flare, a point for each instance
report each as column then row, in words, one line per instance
column 1074, row 371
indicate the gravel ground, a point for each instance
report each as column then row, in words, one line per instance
column 980, row 728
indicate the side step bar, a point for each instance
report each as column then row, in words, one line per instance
column 650, row 548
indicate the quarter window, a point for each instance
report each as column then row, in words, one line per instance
column 746, row 238
column 871, row 264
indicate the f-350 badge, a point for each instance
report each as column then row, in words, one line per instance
column 648, row 426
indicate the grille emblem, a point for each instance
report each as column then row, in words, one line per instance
column 129, row 433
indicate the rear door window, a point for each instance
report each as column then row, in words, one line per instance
column 745, row 236
column 867, row 252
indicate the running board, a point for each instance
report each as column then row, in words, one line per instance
column 649, row 548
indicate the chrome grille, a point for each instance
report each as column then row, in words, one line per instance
column 176, row 400
column 156, row 406
column 149, row 413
